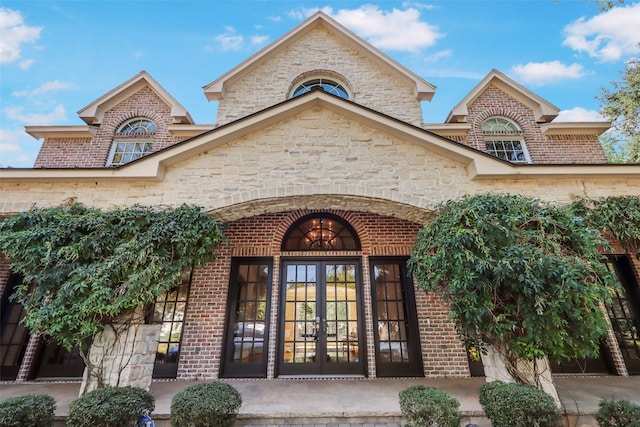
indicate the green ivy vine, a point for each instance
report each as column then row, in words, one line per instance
column 84, row 267
column 521, row 275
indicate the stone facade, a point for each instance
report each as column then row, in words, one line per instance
column 270, row 160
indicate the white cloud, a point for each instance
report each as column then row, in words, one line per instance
column 25, row 64
column 305, row 12
column 17, row 149
column 435, row 57
column 258, row 40
column 230, row 40
column 609, row 36
column 13, row 33
column 541, row 73
column 418, row 5
column 399, row 30
column 47, row 87
column 579, row 114
column 17, row 113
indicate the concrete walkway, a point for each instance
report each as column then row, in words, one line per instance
column 352, row 402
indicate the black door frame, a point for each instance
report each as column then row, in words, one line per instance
column 237, row 337
column 414, row 366
column 319, row 366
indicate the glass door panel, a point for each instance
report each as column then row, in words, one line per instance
column 341, row 308
column 395, row 328
column 320, row 330
column 247, row 330
column 301, row 323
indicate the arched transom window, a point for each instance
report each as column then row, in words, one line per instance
column 321, row 232
column 133, row 140
column 329, row 86
column 503, row 139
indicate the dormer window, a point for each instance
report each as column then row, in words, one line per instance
column 504, row 139
column 329, row 86
column 133, row 140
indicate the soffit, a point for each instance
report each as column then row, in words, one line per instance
column 215, row 90
column 543, row 110
column 94, row 112
column 575, row 128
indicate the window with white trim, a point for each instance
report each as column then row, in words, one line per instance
column 504, row 139
column 133, row 140
column 327, row 85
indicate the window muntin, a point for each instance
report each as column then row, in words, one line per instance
column 137, row 127
column 125, row 152
column 133, row 140
column 510, row 150
column 321, row 232
column 329, row 86
column 499, row 124
column 503, row 139
column 169, row 310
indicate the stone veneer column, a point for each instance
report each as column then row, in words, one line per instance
column 123, row 356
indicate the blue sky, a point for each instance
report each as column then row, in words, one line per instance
column 57, row 56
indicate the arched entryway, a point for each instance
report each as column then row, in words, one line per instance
column 323, row 304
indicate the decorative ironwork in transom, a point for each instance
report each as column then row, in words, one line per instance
column 321, row 232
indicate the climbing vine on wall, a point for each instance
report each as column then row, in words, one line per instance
column 520, row 275
column 84, row 267
column 618, row 216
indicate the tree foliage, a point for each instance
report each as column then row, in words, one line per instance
column 83, row 267
column 520, row 275
column 621, row 105
column 618, row 216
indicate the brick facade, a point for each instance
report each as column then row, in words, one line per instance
column 270, row 160
column 261, row 236
column 94, row 152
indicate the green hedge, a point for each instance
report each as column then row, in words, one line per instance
column 618, row 413
column 214, row 404
column 110, row 407
column 35, row 410
column 518, row 405
column 428, row 406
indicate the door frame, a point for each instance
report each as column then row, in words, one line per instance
column 321, row 369
column 414, row 367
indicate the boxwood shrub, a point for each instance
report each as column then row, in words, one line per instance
column 618, row 413
column 34, row 410
column 110, row 407
column 429, row 407
column 214, row 404
column 518, row 405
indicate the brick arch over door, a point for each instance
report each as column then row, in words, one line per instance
column 347, row 217
column 248, row 205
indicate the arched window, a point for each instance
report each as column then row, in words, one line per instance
column 321, row 232
column 327, row 85
column 503, row 139
column 133, row 140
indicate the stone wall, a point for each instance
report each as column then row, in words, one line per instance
column 122, row 356
column 270, row 83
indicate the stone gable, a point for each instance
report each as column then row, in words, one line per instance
column 320, row 50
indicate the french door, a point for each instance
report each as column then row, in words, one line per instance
column 396, row 332
column 321, row 327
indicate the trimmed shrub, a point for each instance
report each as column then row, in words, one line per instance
column 35, row 410
column 518, row 405
column 214, row 404
column 110, row 407
column 618, row 413
column 429, row 407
